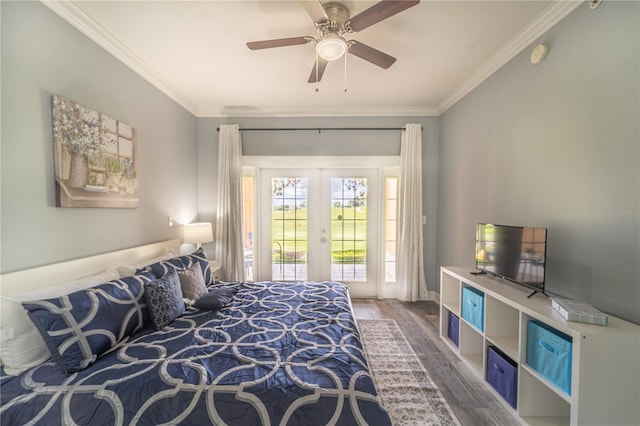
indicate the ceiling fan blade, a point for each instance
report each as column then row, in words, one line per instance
column 315, row 10
column 322, row 65
column 372, row 55
column 379, row 12
column 278, row 42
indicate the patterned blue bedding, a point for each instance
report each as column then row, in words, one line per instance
column 280, row 354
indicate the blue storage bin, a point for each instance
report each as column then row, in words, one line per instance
column 502, row 374
column 549, row 352
column 473, row 307
column 454, row 328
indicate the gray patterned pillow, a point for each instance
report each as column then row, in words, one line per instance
column 164, row 299
column 192, row 281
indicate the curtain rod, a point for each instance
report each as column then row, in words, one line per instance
column 319, row 129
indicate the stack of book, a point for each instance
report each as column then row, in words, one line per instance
column 572, row 310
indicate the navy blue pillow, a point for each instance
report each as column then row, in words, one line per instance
column 79, row 327
column 164, row 299
column 216, row 299
column 161, row 268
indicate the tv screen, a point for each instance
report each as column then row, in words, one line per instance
column 515, row 253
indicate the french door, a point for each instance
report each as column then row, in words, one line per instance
column 320, row 224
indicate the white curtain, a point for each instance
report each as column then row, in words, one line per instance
column 229, row 229
column 410, row 263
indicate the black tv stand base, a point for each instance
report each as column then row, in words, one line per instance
column 537, row 291
column 478, row 272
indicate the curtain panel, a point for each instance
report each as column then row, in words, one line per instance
column 410, row 262
column 229, row 223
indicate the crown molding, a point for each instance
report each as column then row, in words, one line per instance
column 543, row 23
column 75, row 16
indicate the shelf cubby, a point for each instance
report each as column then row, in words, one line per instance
column 502, row 327
column 539, row 403
column 472, row 347
column 450, row 294
column 444, row 327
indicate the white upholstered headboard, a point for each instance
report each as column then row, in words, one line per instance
column 56, row 273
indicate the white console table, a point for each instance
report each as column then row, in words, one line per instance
column 605, row 378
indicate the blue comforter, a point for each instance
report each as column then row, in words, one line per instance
column 280, row 354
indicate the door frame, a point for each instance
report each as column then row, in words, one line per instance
column 255, row 163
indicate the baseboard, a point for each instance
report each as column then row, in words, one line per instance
column 433, row 295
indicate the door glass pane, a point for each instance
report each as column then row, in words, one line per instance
column 289, row 228
column 391, row 227
column 247, row 215
column 348, row 229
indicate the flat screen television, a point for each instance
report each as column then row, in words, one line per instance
column 514, row 253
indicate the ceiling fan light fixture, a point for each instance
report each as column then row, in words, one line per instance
column 332, row 47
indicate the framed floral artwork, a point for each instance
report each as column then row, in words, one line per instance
column 95, row 158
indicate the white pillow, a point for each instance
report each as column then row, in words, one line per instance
column 128, row 270
column 21, row 346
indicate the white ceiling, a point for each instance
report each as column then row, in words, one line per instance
column 196, row 53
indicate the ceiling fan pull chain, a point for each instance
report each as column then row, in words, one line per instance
column 317, row 82
column 345, row 73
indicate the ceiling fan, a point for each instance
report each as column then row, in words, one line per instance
column 333, row 23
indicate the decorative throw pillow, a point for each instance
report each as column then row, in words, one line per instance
column 200, row 257
column 21, row 346
column 81, row 326
column 216, row 299
column 164, row 299
column 161, row 268
column 192, row 282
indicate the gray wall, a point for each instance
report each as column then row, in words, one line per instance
column 43, row 55
column 327, row 143
column 556, row 145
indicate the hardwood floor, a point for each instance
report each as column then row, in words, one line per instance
column 472, row 403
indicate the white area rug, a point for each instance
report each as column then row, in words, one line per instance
column 405, row 387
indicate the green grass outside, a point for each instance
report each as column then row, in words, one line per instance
column 289, row 229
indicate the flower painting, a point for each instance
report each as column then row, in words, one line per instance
column 95, row 158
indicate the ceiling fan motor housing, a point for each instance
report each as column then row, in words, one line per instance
column 337, row 14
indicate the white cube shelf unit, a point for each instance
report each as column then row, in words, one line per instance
column 605, row 363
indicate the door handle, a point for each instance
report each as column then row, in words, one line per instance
column 323, row 240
